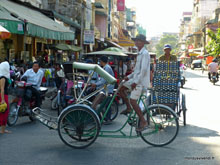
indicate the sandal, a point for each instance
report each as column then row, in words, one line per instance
column 140, row 129
column 125, row 112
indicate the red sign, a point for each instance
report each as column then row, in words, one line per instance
column 190, row 47
column 121, row 5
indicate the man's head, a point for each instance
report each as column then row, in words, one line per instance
column 57, row 66
column 214, row 60
column 140, row 41
column 167, row 49
column 36, row 67
column 120, row 62
column 103, row 60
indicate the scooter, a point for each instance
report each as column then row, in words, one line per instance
column 21, row 106
column 182, row 77
column 214, row 78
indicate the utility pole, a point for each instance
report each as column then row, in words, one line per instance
column 82, row 30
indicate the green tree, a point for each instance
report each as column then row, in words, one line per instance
column 213, row 46
column 167, row 39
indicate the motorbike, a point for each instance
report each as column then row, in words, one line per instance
column 65, row 96
column 24, row 102
column 182, row 77
column 15, row 75
column 214, row 78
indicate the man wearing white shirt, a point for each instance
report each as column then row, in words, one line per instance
column 137, row 81
column 34, row 76
column 121, row 69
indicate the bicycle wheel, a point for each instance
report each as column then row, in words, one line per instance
column 184, row 108
column 163, row 125
column 13, row 114
column 78, row 126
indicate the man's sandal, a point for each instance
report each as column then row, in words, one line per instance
column 125, row 112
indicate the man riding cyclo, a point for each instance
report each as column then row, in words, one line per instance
column 167, row 55
column 34, row 76
column 137, row 81
column 213, row 68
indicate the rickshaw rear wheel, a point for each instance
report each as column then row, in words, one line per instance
column 184, row 108
column 163, row 125
column 78, row 126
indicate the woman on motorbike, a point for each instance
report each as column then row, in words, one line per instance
column 4, row 77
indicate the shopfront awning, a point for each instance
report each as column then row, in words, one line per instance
column 38, row 24
column 68, row 47
column 102, row 13
column 11, row 23
column 113, row 44
column 66, row 20
column 124, row 42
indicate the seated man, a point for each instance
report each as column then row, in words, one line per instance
column 34, row 76
column 213, row 68
column 137, row 81
column 167, row 56
column 95, row 79
column 99, row 84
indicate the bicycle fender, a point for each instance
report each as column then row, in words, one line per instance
column 79, row 105
column 163, row 106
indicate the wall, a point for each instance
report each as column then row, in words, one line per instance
column 101, row 24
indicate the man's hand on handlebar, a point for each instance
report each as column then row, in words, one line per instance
column 126, row 78
column 133, row 86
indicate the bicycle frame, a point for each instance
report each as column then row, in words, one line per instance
column 131, row 117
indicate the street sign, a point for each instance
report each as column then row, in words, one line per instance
column 89, row 37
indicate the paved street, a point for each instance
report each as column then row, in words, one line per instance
column 197, row 143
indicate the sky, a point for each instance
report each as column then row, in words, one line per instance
column 159, row 16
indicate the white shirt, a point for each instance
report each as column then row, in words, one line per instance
column 213, row 67
column 60, row 73
column 34, row 78
column 120, row 69
column 141, row 73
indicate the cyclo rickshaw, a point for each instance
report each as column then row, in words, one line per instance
column 79, row 125
column 166, row 84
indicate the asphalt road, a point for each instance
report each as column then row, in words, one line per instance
column 196, row 143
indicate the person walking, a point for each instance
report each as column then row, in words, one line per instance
column 4, row 77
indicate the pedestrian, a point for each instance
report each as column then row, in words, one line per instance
column 167, row 54
column 4, row 78
column 59, row 76
column 121, row 69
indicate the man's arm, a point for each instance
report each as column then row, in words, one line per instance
column 26, row 74
column 2, row 85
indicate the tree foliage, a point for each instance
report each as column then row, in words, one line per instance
column 213, row 46
column 167, row 39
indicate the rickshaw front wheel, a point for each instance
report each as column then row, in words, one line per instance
column 78, row 126
column 163, row 125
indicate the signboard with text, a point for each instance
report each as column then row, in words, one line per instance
column 89, row 37
column 121, row 5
